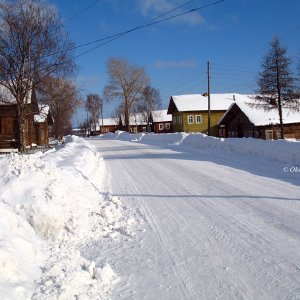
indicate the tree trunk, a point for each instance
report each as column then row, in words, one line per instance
column 126, row 113
column 21, row 125
column 279, row 102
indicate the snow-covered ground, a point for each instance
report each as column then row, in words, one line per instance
column 172, row 216
column 222, row 218
column 52, row 206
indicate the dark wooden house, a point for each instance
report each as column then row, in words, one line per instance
column 37, row 122
column 243, row 120
column 161, row 121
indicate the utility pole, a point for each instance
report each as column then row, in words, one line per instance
column 208, row 96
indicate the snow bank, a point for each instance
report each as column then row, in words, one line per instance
column 51, row 205
column 164, row 138
column 126, row 136
column 280, row 150
column 287, row 151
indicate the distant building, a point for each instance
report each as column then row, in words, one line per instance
column 158, row 121
column 190, row 112
column 161, row 121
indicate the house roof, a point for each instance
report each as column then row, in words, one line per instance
column 260, row 117
column 161, row 116
column 43, row 115
column 198, row 102
column 107, row 122
column 6, row 97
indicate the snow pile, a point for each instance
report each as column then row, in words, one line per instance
column 52, row 205
column 280, row 150
column 164, row 138
column 108, row 135
column 126, row 136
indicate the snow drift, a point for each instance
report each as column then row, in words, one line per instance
column 51, row 206
column 279, row 150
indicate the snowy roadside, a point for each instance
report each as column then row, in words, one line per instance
column 52, row 206
column 285, row 151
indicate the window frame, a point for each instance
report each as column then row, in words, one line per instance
column 196, row 119
column 190, row 119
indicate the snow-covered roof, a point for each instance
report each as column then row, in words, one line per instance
column 260, row 117
column 161, row 116
column 198, row 102
column 6, row 96
column 107, row 122
column 42, row 116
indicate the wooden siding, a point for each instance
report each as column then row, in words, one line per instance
column 236, row 124
column 42, row 134
column 181, row 121
column 160, row 127
column 8, row 127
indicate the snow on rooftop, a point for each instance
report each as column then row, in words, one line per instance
column 42, row 116
column 161, row 116
column 6, row 96
column 260, row 117
column 198, row 102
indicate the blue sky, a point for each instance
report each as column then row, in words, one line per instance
column 233, row 35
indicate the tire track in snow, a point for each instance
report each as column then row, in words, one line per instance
column 162, row 240
column 255, row 261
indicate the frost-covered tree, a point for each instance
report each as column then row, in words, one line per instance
column 276, row 84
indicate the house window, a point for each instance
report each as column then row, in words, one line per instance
column 144, row 129
column 269, row 134
column 190, row 119
column 161, row 126
column 174, row 120
column 278, row 134
column 180, row 119
column 167, row 126
column 198, row 119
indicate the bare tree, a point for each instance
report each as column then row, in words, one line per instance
column 63, row 98
column 94, row 104
column 276, row 84
column 126, row 85
column 150, row 101
column 33, row 46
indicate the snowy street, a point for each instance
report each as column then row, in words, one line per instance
column 214, row 225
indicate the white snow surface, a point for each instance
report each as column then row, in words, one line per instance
column 148, row 216
column 161, row 116
column 198, row 102
column 220, row 221
column 52, row 206
column 287, row 151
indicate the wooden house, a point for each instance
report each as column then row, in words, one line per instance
column 43, row 125
column 243, row 120
column 36, row 122
column 190, row 112
column 108, row 125
column 161, row 121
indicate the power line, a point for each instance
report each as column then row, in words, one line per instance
column 82, row 11
column 116, row 36
column 110, row 38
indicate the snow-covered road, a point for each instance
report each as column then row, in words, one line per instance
column 214, row 227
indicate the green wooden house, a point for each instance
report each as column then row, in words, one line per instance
column 190, row 112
